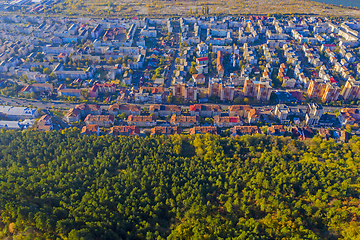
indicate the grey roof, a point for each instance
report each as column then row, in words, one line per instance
column 17, row 111
column 10, row 124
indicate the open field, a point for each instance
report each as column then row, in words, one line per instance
column 156, row 8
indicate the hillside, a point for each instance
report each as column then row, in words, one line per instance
column 64, row 185
column 156, row 8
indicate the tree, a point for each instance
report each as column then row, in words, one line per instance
column 192, row 70
column 170, row 99
column 46, row 71
column 85, row 93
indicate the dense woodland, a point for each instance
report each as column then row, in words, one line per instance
column 62, row 185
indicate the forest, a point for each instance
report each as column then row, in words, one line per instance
column 63, row 185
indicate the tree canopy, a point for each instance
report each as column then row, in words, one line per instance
column 62, row 185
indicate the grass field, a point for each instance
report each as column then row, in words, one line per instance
column 158, row 8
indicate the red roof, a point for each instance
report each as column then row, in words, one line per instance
column 203, row 59
column 332, row 80
column 195, row 107
column 233, row 119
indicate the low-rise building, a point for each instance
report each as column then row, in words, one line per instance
column 141, row 121
column 158, row 130
column 164, row 110
column 203, row 110
column 90, row 129
column 244, row 130
column 349, row 116
column 17, row 113
column 184, row 121
column 239, row 110
column 277, row 130
column 124, row 131
column 128, row 109
column 101, row 120
column 204, row 130
column 226, row 122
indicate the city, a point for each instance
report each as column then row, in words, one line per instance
column 226, row 76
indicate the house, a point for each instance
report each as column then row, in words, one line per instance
column 86, row 109
column 244, row 130
column 141, row 121
column 203, row 110
column 164, row 110
column 45, row 120
column 239, row 110
column 219, row 64
column 73, row 115
column 281, row 112
column 253, row 116
column 184, row 121
column 198, row 78
column 349, row 116
column 69, row 92
column 304, row 133
column 90, row 129
column 277, row 130
column 165, row 130
column 344, row 136
column 128, row 109
column 124, row 131
column 325, row 133
column 202, row 61
column 226, row 122
column 101, row 120
column 204, row 130
column 314, row 113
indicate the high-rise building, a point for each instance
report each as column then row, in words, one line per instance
column 218, row 88
column 185, row 91
column 261, row 90
column 351, row 90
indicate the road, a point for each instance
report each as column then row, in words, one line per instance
column 61, row 105
column 36, row 103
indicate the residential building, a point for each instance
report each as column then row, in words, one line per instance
column 282, row 112
column 69, row 92
column 244, row 130
column 203, row 110
column 198, row 78
column 219, row 64
column 86, row 109
column 253, row 116
column 351, row 90
column 128, row 109
column 142, row 121
column 204, row 130
column 261, row 90
column 239, row 110
column 73, row 115
column 349, row 116
column 226, row 122
column 219, row 89
column 184, row 121
column 90, row 129
column 277, row 130
column 124, row 131
column 165, row 130
column 101, row 120
column 164, row 110
column 187, row 92
column 202, row 61
column 315, row 111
